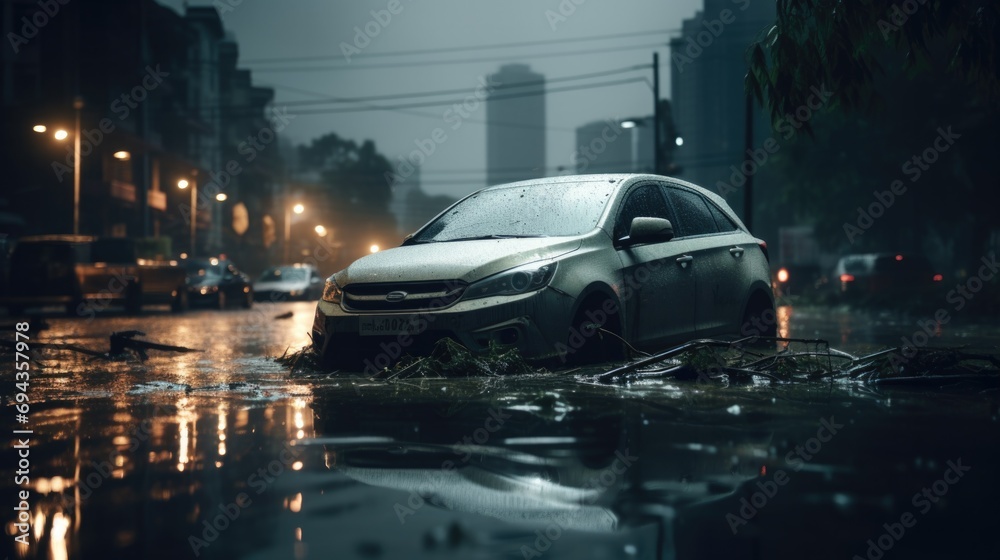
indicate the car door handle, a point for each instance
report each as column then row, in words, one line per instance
column 736, row 252
column 683, row 261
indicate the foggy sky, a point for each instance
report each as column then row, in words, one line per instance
column 302, row 28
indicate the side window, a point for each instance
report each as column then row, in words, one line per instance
column 692, row 214
column 721, row 219
column 646, row 201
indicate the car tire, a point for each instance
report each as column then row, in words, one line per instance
column 248, row 300
column 759, row 318
column 588, row 341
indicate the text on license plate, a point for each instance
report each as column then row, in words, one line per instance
column 382, row 326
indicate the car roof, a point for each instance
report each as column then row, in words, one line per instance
column 622, row 178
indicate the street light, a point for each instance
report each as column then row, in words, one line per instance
column 193, row 183
column 221, row 197
column 320, row 231
column 298, row 209
column 60, row 135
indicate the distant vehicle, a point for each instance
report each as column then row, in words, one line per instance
column 542, row 265
column 87, row 274
column 884, row 277
column 292, row 282
column 217, row 283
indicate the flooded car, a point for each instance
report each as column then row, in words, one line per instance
column 563, row 268
column 292, row 282
column 218, row 283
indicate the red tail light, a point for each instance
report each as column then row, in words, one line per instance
column 847, row 278
column 938, row 277
column 763, row 247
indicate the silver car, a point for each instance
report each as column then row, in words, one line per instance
column 565, row 268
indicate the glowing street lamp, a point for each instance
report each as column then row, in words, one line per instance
column 193, row 184
column 320, row 231
column 297, row 208
column 221, row 197
column 60, row 135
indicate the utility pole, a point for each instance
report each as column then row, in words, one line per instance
column 748, row 145
column 657, row 148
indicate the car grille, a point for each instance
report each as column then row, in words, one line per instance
column 419, row 295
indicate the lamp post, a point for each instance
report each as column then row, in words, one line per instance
column 193, row 184
column 77, row 107
column 289, row 209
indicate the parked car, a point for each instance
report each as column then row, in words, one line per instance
column 543, row 265
column 218, row 283
column 885, row 277
column 88, row 274
column 291, row 282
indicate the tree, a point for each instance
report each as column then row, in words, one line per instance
column 353, row 179
column 899, row 72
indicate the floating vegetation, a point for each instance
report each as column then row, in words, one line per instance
column 746, row 360
column 741, row 361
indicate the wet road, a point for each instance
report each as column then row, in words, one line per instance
column 219, row 454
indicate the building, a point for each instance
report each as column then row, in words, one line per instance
column 708, row 67
column 515, row 130
column 159, row 98
column 604, row 147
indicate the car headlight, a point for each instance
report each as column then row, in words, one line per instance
column 332, row 292
column 520, row 280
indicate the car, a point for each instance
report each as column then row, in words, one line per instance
column 565, row 268
column 87, row 274
column 885, row 277
column 218, row 283
column 291, row 282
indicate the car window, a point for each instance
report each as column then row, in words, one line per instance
column 645, row 201
column 692, row 213
column 724, row 222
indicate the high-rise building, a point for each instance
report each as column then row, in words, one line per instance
column 708, row 95
column 604, row 147
column 515, row 131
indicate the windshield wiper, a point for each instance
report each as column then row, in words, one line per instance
column 491, row 236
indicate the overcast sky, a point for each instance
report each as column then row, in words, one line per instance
column 267, row 29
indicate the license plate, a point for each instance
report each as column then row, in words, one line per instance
column 386, row 326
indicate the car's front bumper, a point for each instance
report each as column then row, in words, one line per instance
column 534, row 323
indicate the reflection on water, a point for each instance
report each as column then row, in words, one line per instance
column 224, row 457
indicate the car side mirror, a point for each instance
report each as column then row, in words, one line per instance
column 648, row 230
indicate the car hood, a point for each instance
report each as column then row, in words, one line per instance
column 454, row 260
column 279, row 285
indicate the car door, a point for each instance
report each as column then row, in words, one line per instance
column 658, row 287
column 718, row 264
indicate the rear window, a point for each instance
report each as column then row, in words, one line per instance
column 903, row 264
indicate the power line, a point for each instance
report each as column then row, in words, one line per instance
column 457, row 61
column 466, row 90
column 462, row 49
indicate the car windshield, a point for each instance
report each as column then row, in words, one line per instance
column 203, row 268
column 284, row 274
column 539, row 210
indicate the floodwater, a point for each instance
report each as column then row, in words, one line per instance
column 219, row 454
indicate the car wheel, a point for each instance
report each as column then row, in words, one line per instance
column 133, row 299
column 180, row 303
column 248, row 300
column 594, row 336
column 759, row 318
